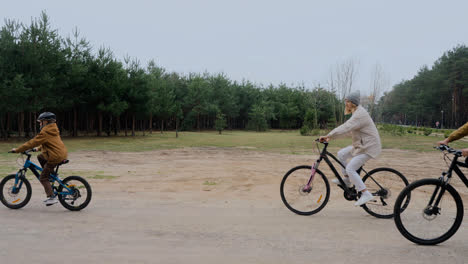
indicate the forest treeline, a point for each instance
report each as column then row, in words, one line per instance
column 438, row 93
column 93, row 93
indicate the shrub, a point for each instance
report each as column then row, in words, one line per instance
column 305, row 130
column 427, row 131
column 315, row 132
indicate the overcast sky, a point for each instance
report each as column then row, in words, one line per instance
column 264, row 41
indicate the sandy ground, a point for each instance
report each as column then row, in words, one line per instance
column 213, row 205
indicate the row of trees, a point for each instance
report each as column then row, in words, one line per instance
column 439, row 93
column 93, row 92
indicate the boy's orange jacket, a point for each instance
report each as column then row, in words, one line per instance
column 52, row 146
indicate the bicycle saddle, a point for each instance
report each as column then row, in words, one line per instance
column 65, row 161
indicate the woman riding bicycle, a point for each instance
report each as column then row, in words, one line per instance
column 455, row 135
column 366, row 144
column 52, row 148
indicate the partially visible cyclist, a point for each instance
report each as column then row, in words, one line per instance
column 366, row 144
column 52, row 148
column 455, row 135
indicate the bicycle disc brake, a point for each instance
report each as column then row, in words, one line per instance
column 430, row 213
column 305, row 190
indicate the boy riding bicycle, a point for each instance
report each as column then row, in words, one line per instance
column 52, row 148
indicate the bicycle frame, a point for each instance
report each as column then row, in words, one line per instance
column 324, row 155
column 35, row 169
column 445, row 178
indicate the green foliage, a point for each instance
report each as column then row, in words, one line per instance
column 393, row 129
column 91, row 90
column 220, row 123
column 427, row 97
column 259, row 116
column 427, row 131
column 305, row 130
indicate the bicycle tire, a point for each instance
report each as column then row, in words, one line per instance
column 63, row 200
column 413, row 237
column 385, row 201
column 323, row 200
column 3, row 197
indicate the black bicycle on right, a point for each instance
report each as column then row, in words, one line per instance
column 435, row 211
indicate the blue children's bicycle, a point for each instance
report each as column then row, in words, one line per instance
column 74, row 192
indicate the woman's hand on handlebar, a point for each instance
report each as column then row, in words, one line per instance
column 465, row 152
column 13, row 150
column 324, row 139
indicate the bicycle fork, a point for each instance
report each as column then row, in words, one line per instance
column 313, row 170
column 433, row 207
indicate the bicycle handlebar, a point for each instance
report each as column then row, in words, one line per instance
column 318, row 140
column 449, row 150
column 25, row 152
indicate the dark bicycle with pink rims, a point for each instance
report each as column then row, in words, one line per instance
column 305, row 189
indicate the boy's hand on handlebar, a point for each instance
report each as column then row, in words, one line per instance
column 35, row 149
column 13, row 150
column 324, row 138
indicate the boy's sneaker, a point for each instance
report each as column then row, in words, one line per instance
column 346, row 181
column 51, row 200
column 365, row 197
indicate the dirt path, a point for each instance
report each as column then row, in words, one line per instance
column 211, row 205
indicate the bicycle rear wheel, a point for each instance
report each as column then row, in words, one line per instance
column 298, row 197
column 79, row 195
column 385, row 184
column 423, row 222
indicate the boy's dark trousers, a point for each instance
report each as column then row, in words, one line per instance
column 47, row 169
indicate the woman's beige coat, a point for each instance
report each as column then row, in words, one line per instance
column 366, row 138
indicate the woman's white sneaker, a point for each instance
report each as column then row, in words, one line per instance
column 365, row 197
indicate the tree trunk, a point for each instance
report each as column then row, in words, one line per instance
column 177, row 127
column 143, row 126
column 117, row 126
column 35, row 126
column 151, row 124
column 2, row 126
column 75, row 122
column 133, row 125
column 8, row 124
column 100, row 124
column 109, row 126
column 30, row 124
column 20, row 124
column 162, row 125
column 126, row 123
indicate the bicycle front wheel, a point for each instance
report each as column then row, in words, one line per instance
column 425, row 221
column 78, row 194
column 15, row 196
column 385, row 184
column 303, row 199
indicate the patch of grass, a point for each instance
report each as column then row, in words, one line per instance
column 105, row 177
column 7, row 170
column 279, row 141
column 209, row 183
